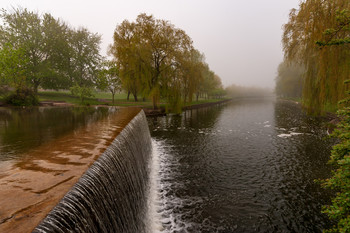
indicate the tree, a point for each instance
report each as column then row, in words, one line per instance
column 13, row 66
column 191, row 64
column 326, row 67
column 339, row 35
column 82, row 92
column 162, row 43
column 207, row 81
column 58, row 51
column 289, row 80
column 24, row 30
column 317, row 36
column 109, row 78
column 128, row 63
column 84, row 57
column 56, row 55
column 148, row 49
column 339, row 210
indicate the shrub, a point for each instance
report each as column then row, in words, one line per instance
column 23, row 97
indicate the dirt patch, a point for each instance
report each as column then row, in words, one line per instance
column 55, row 103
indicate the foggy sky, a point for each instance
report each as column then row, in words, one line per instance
column 241, row 40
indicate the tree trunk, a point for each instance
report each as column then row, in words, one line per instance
column 35, row 88
column 113, row 98
column 128, row 96
column 154, row 101
column 135, row 97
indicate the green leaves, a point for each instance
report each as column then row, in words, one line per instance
column 109, row 79
column 42, row 51
column 339, row 210
column 82, row 92
column 13, row 66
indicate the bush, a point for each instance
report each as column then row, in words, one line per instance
column 23, row 97
column 81, row 92
column 4, row 90
column 339, row 210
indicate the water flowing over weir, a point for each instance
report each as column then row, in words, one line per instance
column 111, row 195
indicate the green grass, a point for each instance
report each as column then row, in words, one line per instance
column 64, row 96
column 105, row 98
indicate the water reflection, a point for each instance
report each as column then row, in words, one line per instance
column 232, row 168
column 41, row 175
column 25, row 128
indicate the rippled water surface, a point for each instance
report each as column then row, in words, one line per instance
column 248, row 166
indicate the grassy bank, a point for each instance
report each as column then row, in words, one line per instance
column 328, row 108
column 105, row 98
column 100, row 98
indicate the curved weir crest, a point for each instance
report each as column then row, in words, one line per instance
column 111, row 195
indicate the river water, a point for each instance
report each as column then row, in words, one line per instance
column 23, row 129
column 247, row 166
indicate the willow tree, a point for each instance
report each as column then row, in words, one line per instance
column 162, row 44
column 147, row 50
column 210, row 83
column 326, row 68
column 339, row 209
column 191, row 64
column 289, row 80
column 126, row 56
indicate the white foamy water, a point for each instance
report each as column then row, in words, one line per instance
column 162, row 216
column 283, row 135
column 153, row 218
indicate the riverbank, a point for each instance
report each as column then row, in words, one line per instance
column 64, row 98
column 150, row 112
column 331, row 119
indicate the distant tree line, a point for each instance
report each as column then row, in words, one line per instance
column 236, row 91
column 151, row 58
column 289, row 80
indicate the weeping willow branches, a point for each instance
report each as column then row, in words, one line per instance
column 316, row 24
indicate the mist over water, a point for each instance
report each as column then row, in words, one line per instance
column 248, row 166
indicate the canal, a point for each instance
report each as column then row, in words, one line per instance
column 248, row 166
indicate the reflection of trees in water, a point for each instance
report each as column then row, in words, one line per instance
column 195, row 118
column 24, row 128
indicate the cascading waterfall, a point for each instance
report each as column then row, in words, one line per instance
column 111, row 196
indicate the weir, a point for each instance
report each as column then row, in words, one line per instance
column 85, row 191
